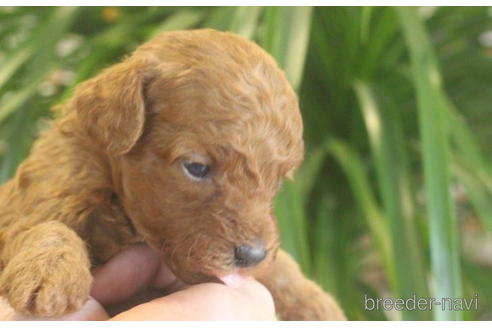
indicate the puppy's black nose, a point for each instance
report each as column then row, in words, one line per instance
column 247, row 256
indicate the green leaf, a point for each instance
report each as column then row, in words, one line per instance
column 182, row 20
column 443, row 227
column 480, row 196
column 292, row 222
column 388, row 149
column 245, row 21
column 377, row 223
column 310, row 171
column 286, row 36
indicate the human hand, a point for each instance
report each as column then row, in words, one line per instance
column 127, row 277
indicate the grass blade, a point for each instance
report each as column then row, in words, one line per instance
column 16, row 100
column 245, row 21
column 388, row 150
column 182, row 20
column 478, row 193
column 354, row 170
column 15, row 60
column 220, row 18
column 286, row 36
column 292, row 223
column 435, row 152
column 310, row 171
column 465, row 142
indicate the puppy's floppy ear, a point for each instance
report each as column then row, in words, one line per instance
column 111, row 106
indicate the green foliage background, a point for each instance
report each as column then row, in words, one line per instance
column 394, row 197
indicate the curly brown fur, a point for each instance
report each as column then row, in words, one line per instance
column 109, row 173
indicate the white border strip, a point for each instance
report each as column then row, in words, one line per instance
column 245, row 3
column 249, row 324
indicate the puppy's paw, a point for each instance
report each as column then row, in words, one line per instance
column 295, row 296
column 45, row 286
column 309, row 303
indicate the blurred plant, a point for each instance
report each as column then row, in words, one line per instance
column 394, row 197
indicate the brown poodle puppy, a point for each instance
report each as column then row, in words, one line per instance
column 183, row 145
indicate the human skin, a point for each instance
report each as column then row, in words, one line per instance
column 135, row 271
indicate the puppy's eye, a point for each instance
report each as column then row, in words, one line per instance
column 196, row 170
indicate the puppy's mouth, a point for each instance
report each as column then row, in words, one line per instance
column 201, row 278
column 190, row 278
column 215, row 266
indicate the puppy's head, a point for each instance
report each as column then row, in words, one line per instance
column 200, row 127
